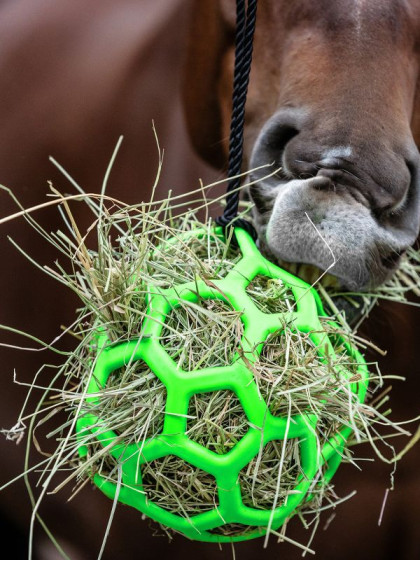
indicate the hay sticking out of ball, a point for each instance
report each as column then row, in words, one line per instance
column 134, row 249
column 217, row 420
column 202, row 335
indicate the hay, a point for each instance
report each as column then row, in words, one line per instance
column 202, row 335
column 132, row 251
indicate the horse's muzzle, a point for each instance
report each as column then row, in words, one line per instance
column 334, row 206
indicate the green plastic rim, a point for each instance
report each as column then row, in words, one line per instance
column 238, row 378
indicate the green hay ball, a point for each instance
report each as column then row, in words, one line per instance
column 238, row 378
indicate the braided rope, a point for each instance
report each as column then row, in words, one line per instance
column 245, row 26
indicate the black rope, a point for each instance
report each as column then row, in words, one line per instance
column 245, row 25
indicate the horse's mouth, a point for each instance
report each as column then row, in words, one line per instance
column 311, row 274
column 327, row 235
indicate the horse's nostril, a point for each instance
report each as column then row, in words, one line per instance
column 272, row 147
column 277, row 137
column 278, row 133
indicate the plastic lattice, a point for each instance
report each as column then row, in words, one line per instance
column 237, row 378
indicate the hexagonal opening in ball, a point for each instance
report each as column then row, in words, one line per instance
column 271, row 296
column 178, row 486
column 216, row 420
column 272, row 475
column 202, row 334
column 132, row 404
column 288, row 360
column 295, row 376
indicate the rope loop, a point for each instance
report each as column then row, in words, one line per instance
column 237, row 222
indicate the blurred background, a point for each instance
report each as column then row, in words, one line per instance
column 74, row 76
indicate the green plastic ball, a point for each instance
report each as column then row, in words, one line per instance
column 238, row 378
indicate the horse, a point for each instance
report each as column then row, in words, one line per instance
column 333, row 110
